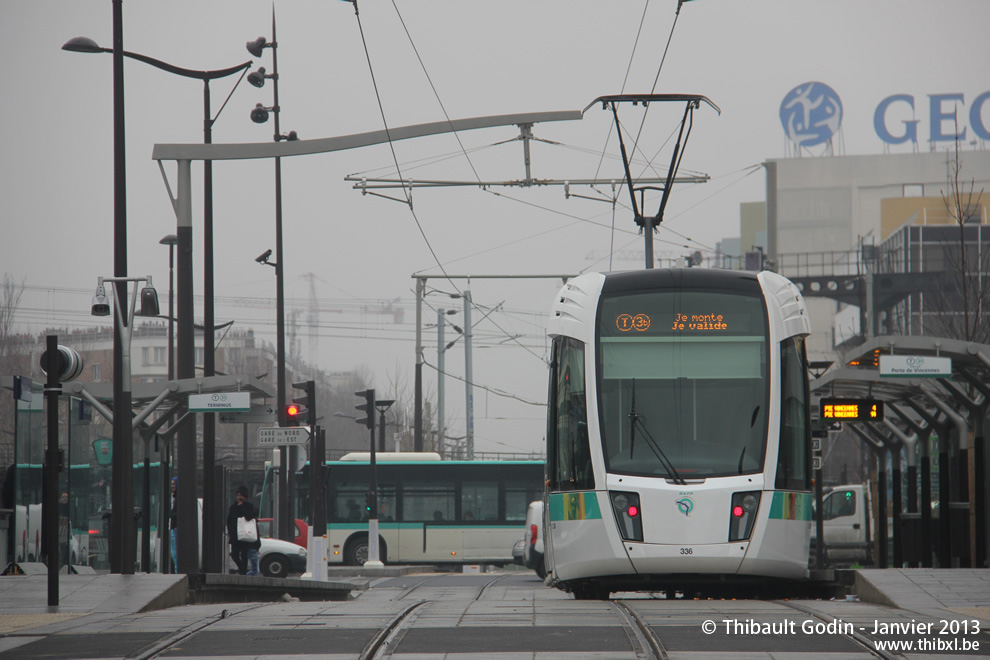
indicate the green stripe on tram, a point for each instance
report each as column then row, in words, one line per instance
column 574, row 506
column 788, row 505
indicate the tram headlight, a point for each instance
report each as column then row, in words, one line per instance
column 628, row 516
column 742, row 515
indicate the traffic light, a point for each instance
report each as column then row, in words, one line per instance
column 307, row 402
column 369, row 504
column 368, row 408
column 295, row 415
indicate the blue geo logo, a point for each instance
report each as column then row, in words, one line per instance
column 811, row 114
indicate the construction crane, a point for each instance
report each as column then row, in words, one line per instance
column 315, row 308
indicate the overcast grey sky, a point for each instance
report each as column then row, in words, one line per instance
column 481, row 58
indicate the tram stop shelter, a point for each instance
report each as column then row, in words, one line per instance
column 159, row 409
column 934, row 423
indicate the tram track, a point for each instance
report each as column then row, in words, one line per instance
column 488, row 584
column 417, row 586
column 649, row 644
column 166, row 644
column 388, row 637
column 866, row 642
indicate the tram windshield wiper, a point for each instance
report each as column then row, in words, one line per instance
column 636, row 420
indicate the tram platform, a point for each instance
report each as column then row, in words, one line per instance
column 930, row 591
column 927, row 591
column 112, row 594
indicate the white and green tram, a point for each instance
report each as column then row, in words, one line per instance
column 678, row 440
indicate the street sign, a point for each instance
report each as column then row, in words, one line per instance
column 220, row 402
column 816, row 462
column 257, row 415
column 915, row 366
column 816, row 444
column 288, row 435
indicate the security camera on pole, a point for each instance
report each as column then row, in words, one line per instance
column 368, row 408
column 123, row 539
column 259, row 115
column 60, row 364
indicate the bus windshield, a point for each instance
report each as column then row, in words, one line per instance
column 683, row 387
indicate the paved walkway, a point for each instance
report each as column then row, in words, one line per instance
column 930, row 591
column 24, row 598
column 96, row 605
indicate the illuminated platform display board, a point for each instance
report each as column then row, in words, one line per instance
column 852, row 410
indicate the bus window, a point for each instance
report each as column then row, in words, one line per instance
column 479, row 501
column 518, row 495
column 424, row 501
column 349, row 502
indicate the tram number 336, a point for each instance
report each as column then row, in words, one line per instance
column 687, row 551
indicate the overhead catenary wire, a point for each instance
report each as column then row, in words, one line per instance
column 412, row 211
column 491, row 390
column 391, row 144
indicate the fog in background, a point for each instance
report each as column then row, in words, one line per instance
column 431, row 60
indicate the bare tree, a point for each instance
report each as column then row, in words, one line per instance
column 10, row 299
column 962, row 298
column 13, row 360
column 403, row 411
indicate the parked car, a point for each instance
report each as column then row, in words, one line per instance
column 279, row 558
column 276, row 558
column 517, row 552
column 533, row 539
column 302, row 531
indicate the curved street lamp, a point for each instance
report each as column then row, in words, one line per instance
column 185, row 364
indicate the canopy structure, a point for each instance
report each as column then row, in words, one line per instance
column 951, row 406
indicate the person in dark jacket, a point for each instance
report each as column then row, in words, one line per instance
column 244, row 553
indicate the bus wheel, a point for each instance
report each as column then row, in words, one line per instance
column 356, row 553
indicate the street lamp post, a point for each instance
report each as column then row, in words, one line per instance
column 170, row 240
column 259, row 115
column 211, row 545
column 382, row 405
column 283, row 471
column 164, row 519
column 122, row 519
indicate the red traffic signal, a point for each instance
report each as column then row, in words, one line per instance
column 295, row 415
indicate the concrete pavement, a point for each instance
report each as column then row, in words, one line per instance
column 119, row 616
column 934, row 592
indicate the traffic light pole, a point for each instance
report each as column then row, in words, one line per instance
column 305, row 406
column 317, row 503
column 368, row 407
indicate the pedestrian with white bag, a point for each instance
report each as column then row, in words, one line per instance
column 242, row 532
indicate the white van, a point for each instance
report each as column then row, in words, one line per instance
column 847, row 525
column 533, row 539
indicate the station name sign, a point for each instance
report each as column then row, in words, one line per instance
column 915, row 366
column 220, row 402
column 852, row 410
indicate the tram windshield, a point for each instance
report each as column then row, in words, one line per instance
column 683, row 387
